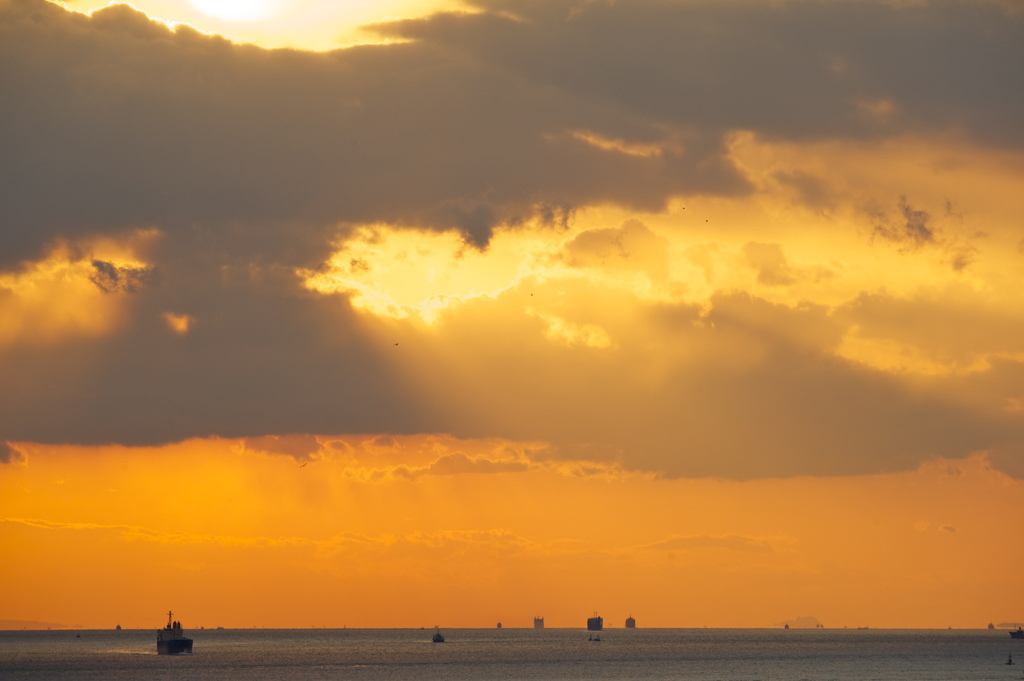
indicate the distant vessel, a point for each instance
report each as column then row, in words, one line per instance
column 499, row 625
column 595, row 623
column 170, row 640
column 630, row 622
column 1017, row 634
column 117, row 628
column 438, row 636
column 538, row 622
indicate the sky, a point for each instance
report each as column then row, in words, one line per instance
column 411, row 313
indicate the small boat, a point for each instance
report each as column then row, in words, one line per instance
column 1009, row 660
column 438, row 636
column 170, row 640
column 1017, row 634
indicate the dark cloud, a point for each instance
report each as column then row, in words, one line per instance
column 299, row 447
column 914, row 229
column 10, row 453
column 110, row 277
column 812, row 191
column 795, row 70
column 911, row 232
column 114, row 121
column 264, row 357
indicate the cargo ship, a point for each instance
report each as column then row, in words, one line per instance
column 1017, row 634
column 538, row 622
column 630, row 622
column 595, row 623
column 170, row 640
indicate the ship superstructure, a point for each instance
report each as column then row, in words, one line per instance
column 538, row 622
column 171, row 641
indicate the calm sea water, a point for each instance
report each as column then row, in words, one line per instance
column 519, row 654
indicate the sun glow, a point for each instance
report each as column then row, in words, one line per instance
column 397, row 274
column 239, row 10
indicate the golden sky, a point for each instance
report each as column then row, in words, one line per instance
column 407, row 313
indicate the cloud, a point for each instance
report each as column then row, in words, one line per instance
column 458, row 463
column 912, row 232
column 110, row 277
column 770, row 263
column 455, row 463
column 263, row 148
column 954, row 326
column 299, row 447
column 742, row 388
column 914, row 229
column 630, row 247
column 247, row 166
column 793, row 70
column 728, row 542
column 471, row 121
column 10, row 454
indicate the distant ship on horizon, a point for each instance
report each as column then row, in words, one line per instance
column 630, row 622
column 538, row 622
column 170, row 640
column 595, row 623
column 1017, row 634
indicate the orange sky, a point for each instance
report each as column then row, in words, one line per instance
column 707, row 313
column 379, row 532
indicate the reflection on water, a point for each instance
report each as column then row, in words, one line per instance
column 550, row 654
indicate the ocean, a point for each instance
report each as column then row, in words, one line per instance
column 518, row 655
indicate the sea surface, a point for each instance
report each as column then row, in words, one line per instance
column 518, row 654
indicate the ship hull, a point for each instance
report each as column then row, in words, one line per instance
column 178, row 646
column 595, row 624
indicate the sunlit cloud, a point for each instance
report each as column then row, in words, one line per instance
column 64, row 293
column 179, row 323
column 571, row 290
